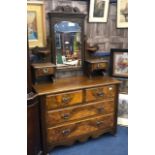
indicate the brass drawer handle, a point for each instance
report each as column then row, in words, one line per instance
column 65, row 116
column 66, row 132
column 45, row 70
column 100, row 110
column 98, row 123
column 100, row 94
column 66, row 99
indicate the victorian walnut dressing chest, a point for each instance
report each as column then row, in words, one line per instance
column 73, row 108
column 76, row 108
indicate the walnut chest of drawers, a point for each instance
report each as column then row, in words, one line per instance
column 77, row 108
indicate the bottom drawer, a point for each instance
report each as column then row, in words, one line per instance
column 56, row 134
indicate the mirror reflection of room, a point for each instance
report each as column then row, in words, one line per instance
column 68, row 43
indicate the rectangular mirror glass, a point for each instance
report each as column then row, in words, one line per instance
column 67, row 43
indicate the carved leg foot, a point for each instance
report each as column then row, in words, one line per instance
column 96, row 135
column 84, row 139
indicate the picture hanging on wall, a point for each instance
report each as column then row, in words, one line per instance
column 119, row 63
column 98, row 10
column 36, row 24
column 122, row 13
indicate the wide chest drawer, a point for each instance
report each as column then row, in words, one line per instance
column 61, row 133
column 99, row 93
column 78, row 112
column 64, row 99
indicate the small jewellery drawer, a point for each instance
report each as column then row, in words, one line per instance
column 101, row 65
column 57, row 134
column 63, row 99
column 44, row 71
column 99, row 93
column 79, row 112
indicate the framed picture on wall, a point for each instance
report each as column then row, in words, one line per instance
column 36, row 24
column 119, row 63
column 122, row 13
column 98, row 10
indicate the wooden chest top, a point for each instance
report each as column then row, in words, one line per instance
column 73, row 83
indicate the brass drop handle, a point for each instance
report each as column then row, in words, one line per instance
column 98, row 123
column 66, row 99
column 100, row 110
column 45, row 70
column 66, row 132
column 65, row 116
column 100, row 94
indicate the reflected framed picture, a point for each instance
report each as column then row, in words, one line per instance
column 122, row 13
column 36, row 24
column 98, row 10
column 119, row 63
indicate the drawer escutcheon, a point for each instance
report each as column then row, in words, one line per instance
column 66, row 99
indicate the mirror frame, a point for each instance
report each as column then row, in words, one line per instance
column 57, row 17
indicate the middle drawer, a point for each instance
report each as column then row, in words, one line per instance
column 79, row 112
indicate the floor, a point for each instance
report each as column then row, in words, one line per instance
column 104, row 145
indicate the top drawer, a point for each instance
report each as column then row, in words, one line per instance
column 63, row 99
column 99, row 93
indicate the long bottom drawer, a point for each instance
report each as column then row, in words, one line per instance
column 73, row 130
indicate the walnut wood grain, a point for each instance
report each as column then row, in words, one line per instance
column 64, row 99
column 80, row 138
column 79, row 112
column 63, row 124
column 56, row 134
column 99, row 93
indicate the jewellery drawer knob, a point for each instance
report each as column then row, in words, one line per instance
column 65, row 116
column 66, row 132
column 98, row 123
column 110, row 88
column 45, row 70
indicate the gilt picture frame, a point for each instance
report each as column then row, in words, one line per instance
column 122, row 13
column 119, row 63
column 98, row 10
column 36, row 24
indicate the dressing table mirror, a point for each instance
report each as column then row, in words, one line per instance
column 67, row 37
